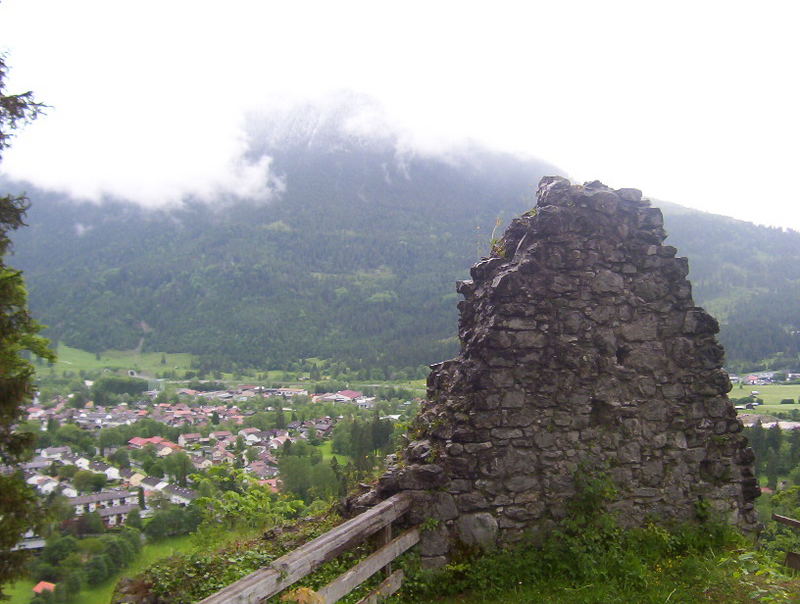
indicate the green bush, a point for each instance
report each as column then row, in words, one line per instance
column 588, row 558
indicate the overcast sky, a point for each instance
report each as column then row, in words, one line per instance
column 694, row 102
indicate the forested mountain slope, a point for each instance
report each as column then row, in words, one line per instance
column 356, row 259
column 748, row 276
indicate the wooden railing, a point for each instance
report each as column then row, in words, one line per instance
column 792, row 558
column 287, row 570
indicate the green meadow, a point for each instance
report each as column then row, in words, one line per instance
column 145, row 363
column 21, row 591
column 327, row 454
column 772, row 395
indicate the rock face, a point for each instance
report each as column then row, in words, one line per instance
column 581, row 347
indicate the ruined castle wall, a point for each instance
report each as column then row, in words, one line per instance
column 581, row 347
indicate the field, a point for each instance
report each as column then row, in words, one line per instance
column 771, row 395
column 327, row 454
column 21, row 592
column 146, row 363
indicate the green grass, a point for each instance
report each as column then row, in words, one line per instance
column 146, row 363
column 21, row 591
column 327, row 454
column 772, row 395
column 155, row 551
column 149, row 554
column 649, row 565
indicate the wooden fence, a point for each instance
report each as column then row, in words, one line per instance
column 287, row 570
column 792, row 558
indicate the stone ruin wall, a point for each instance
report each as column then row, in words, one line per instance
column 580, row 347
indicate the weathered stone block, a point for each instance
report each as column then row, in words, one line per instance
column 505, row 433
column 521, row 482
column 469, row 502
column 478, row 529
column 434, row 541
column 426, row 476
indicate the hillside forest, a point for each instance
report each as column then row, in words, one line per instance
column 354, row 260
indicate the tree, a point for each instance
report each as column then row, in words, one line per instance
column 106, row 387
column 71, row 584
column 774, row 437
column 121, row 458
column 772, row 470
column 134, row 519
column 59, row 548
column 91, row 524
column 109, row 437
column 97, row 569
column 280, row 418
column 794, row 446
column 179, row 464
column 19, row 508
column 85, row 481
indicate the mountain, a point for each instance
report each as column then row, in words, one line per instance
column 747, row 276
column 355, row 259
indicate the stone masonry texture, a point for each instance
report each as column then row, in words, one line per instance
column 581, row 347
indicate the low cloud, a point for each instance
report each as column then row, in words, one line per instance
column 82, row 229
column 153, row 165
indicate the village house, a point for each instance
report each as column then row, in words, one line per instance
column 39, row 463
column 67, row 490
column 290, row 392
column 43, row 586
column 261, row 470
column 180, row 495
column 189, row 439
column 348, row 396
column 222, row 456
column 167, row 448
column 44, row 484
column 85, row 504
column 100, row 467
column 162, row 446
column 132, row 478
column 265, row 435
column 76, row 460
column 273, row 483
column 268, row 458
column 35, row 413
column 200, row 463
column 117, row 515
column 153, row 483
column 323, row 426
column 278, row 441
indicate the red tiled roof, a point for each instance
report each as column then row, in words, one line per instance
column 43, row 586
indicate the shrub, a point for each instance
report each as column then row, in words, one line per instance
column 588, row 551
